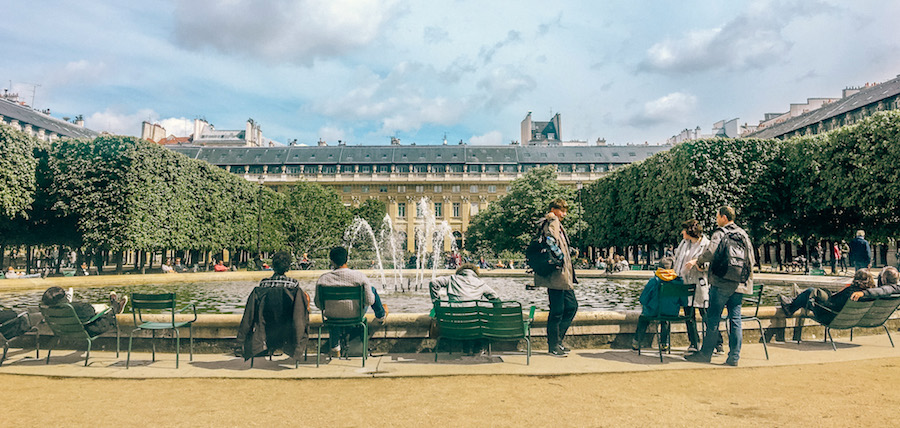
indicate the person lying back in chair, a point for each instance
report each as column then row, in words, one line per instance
column 834, row 302
column 55, row 296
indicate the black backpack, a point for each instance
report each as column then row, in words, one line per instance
column 731, row 261
column 543, row 254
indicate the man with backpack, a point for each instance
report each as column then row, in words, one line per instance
column 559, row 282
column 730, row 254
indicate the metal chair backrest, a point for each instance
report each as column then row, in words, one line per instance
column 63, row 320
column 881, row 310
column 754, row 299
column 850, row 315
column 504, row 320
column 331, row 293
column 459, row 320
column 151, row 302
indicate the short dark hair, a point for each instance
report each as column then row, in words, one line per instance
column 727, row 211
column 667, row 263
column 53, row 296
column 863, row 279
column 692, row 227
column 559, row 203
column 338, row 256
column 281, row 262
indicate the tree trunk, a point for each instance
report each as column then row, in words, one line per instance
column 119, row 256
column 2, row 254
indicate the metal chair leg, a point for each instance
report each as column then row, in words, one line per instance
column 88, row 354
column 659, row 340
column 888, row 335
column 762, row 332
column 51, row 349
column 177, row 346
column 5, row 348
column 365, row 343
column 153, row 343
column 319, row 346
column 832, row 339
column 191, row 332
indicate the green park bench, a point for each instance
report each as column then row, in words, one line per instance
column 483, row 320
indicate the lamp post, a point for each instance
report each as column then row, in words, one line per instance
column 262, row 179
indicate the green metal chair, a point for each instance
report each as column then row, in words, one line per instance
column 846, row 319
column 506, row 322
column 165, row 303
column 669, row 290
column 31, row 328
column 327, row 294
column 458, row 321
column 878, row 314
column 63, row 321
column 754, row 300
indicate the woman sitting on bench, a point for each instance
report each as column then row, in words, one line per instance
column 888, row 284
column 834, row 302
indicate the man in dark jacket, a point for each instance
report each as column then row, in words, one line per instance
column 860, row 251
column 276, row 315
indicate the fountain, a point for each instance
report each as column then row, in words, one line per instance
column 431, row 234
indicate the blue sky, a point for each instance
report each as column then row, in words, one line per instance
column 363, row 71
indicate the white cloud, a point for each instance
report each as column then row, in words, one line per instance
column 399, row 101
column 505, row 85
column 118, row 123
column 753, row 39
column 493, row 138
column 297, row 31
column 178, row 126
column 332, row 134
column 669, row 108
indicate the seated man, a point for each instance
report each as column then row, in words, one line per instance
column 343, row 276
column 220, row 266
column 834, row 302
column 653, row 305
column 888, row 284
column 276, row 315
column 179, row 267
column 465, row 285
column 54, row 296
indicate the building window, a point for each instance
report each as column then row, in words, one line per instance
column 456, row 209
column 382, row 189
column 367, row 169
column 348, row 189
column 364, row 189
column 420, row 189
column 346, row 168
column 473, row 188
column 402, row 168
column 418, row 210
column 492, row 189
column 438, row 209
column 384, row 168
column 401, row 209
column 454, row 188
column 473, row 210
column 438, row 189
column 401, row 189
column 437, row 168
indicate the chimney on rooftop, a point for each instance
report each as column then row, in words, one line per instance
column 322, row 142
column 79, row 121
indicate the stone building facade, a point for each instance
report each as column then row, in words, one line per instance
column 458, row 180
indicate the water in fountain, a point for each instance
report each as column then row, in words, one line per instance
column 361, row 227
column 390, row 242
column 431, row 233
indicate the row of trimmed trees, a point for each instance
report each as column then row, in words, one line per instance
column 114, row 194
column 802, row 191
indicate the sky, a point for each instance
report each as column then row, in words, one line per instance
column 362, row 71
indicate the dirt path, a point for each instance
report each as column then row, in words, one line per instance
column 861, row 393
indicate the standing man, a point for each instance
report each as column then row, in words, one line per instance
column 563, row 304
column 724, row 293
column 343, row 276
column 860, row 252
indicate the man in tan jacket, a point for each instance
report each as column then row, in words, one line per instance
column 563, row 304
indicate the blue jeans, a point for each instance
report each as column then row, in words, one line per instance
column 719, row 300
column 334, row 334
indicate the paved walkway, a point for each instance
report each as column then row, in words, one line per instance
column 69, row 363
